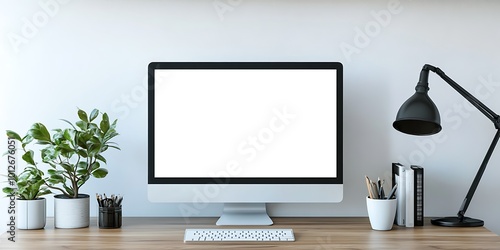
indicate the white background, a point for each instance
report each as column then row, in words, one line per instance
column 268, row 123
column 95, row 54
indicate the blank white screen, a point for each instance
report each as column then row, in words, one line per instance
column 245, row 123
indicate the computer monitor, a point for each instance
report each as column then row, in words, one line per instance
column 244, row 134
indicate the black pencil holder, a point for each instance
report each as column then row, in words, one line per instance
column 110, row 217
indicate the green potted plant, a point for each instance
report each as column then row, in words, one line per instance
column 73, row 156
column 31, row 207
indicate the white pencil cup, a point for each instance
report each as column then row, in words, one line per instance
column 381, row 213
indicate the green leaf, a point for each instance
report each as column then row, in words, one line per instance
column 115, row 147
column 82, row 165
column 83, row 139
column 40, row 133
column 82, row 124
column 67, row 167
column 82, row 153
column 82, row 171
column 35, row 171
column 84, row 179
column 93, row 126
column 22, row 182
column 105, row 123
column 109, row 135
column 28, row 157
column 9, row 190
column 101, row 158
column 83, row 115
column 94, row 146
column 43, row 191
column 32, row 190
column 95, row 166
column 56, row 178
column 68, row 134
column 69, row 190
column 94, row 114
column 85, row 136
column 58, row 137
column 100, row 173
column 27, row 140
column 65, row 149
column 55, row 172
column 13, row 135
column 49, row 154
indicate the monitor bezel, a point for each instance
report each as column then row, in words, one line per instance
column 243, row 65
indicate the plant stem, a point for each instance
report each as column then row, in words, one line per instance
column 57, row 188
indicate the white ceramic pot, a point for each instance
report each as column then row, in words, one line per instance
column 71, row 212
column 381, row 213
column 31, row 214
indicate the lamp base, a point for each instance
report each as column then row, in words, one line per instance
column 456, row 222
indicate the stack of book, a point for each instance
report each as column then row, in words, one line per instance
column 410, row 194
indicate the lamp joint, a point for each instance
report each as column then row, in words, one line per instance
column 496, row 121
column 430, row 67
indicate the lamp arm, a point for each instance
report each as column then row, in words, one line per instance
column 481, row 107
column 473, row 100
column 475, row 183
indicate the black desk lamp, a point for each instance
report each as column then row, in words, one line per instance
column 419, row 116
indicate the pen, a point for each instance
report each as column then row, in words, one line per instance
column 110, row 202
column 99, row 202
column 380, row 186
column 119, row 201
column 393, row 190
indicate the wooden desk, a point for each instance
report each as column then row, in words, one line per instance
column 310, row 233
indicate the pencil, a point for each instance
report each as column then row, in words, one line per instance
column 374, row 190
column 369, row 186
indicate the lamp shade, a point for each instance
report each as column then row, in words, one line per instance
column 418, row 116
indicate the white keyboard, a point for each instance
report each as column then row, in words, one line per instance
column 214, row 235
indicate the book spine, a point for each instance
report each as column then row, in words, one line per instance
column 410, row 198
column 395, row 173
column 419, row 195
column 398, row 172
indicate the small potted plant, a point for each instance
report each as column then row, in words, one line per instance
column 31, row 207
column 73, row 156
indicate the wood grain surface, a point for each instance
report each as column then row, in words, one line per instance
column 310, row 233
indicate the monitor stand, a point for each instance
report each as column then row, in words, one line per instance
column 244, row 214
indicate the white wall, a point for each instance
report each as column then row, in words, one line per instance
column 56, row 56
